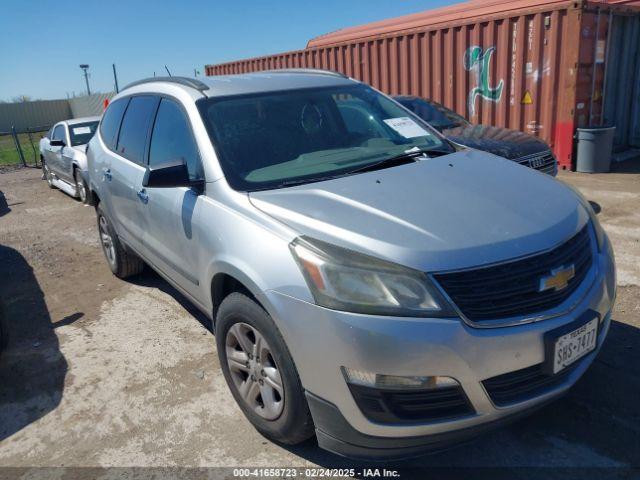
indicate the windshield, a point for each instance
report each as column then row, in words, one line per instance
column 433, row 113
column 275, row 139
column 81, row 133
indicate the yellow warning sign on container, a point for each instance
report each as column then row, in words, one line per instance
column 527, row 99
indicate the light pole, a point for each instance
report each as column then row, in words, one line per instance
column 84, row 68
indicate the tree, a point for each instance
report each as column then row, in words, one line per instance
column 21, row 99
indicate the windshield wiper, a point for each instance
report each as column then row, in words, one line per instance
column 438, row 152
column 406, row 157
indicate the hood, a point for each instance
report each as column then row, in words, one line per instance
column 456, row 211
column 81, row 148
column 503, row 142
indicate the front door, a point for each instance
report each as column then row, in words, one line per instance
column 66, row 163
column 54, row 152
column 172, row 214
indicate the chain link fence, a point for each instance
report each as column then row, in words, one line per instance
column 21, row 149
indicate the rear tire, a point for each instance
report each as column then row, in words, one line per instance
column 122, row 262
column 273, row 399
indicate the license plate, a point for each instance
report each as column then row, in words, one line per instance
column 572, row 346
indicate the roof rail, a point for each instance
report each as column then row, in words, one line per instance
column 186, row 81
column 305, row 70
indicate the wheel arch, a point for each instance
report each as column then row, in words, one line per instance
column 228, row 278
column 222, row 285
column 92, row 197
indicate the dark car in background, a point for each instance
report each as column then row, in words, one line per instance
column 3, row 333
column 513, row 145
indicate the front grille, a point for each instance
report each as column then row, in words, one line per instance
column 542, row 161
column 406, row 406
column 511, row 289
column 524, row 384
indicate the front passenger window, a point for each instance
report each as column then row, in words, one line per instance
column 58, row 134
column 172, row 140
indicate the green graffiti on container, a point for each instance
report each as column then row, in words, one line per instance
column 478, row 61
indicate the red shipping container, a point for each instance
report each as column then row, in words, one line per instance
column 539, row 66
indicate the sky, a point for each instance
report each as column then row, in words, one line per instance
column 44, row 42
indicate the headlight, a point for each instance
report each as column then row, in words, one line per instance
column 345, row 280
column 601, row 236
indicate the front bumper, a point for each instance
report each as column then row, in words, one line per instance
column 321, row 341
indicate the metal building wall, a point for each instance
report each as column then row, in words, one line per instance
column 539, row 68
column 89, row 106
column 32, row 114
column 44, row 113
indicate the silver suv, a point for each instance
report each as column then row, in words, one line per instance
column 367, row 280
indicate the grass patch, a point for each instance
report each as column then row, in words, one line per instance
column 9, row 154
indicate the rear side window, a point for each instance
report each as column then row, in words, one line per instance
column 111, row 122
column 135, row 127
column 172, row 140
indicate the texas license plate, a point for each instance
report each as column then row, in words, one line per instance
column 572, row 346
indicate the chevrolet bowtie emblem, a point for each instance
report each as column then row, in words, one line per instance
column 558, row 280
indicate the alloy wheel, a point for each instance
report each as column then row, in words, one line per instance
column 107, row 241
column 254, row 371
column 48, row 176
column 80, row 188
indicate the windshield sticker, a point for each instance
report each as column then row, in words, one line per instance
column 81, row 130
column 406, row 127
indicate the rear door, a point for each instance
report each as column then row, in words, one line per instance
column 128, row 168
column 172, row 214
column 99, row 159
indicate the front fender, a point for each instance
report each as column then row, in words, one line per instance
column 243, row 273
column 84, row 174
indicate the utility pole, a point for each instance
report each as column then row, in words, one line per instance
column 84, row 68
column 115, row 77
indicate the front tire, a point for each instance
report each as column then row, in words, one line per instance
column 260, row 372
column 81, row 186
column 47, row 175
column 122, row 262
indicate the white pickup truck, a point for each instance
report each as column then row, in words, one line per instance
column 63, row 155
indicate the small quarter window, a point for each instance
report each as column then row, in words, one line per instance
column 111, row 122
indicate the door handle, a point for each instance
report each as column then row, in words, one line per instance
column 142, row 195
column 106, row 174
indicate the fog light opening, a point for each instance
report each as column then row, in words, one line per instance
column 397, row 382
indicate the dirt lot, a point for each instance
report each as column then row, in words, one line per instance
column 102, row 372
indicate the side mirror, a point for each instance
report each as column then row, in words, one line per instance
column 167, row 175
column 56, row 143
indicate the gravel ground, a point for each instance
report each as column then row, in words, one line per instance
column 101, row 372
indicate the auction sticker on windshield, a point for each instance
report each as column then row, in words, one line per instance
column 406, row 127
column 81, row 130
